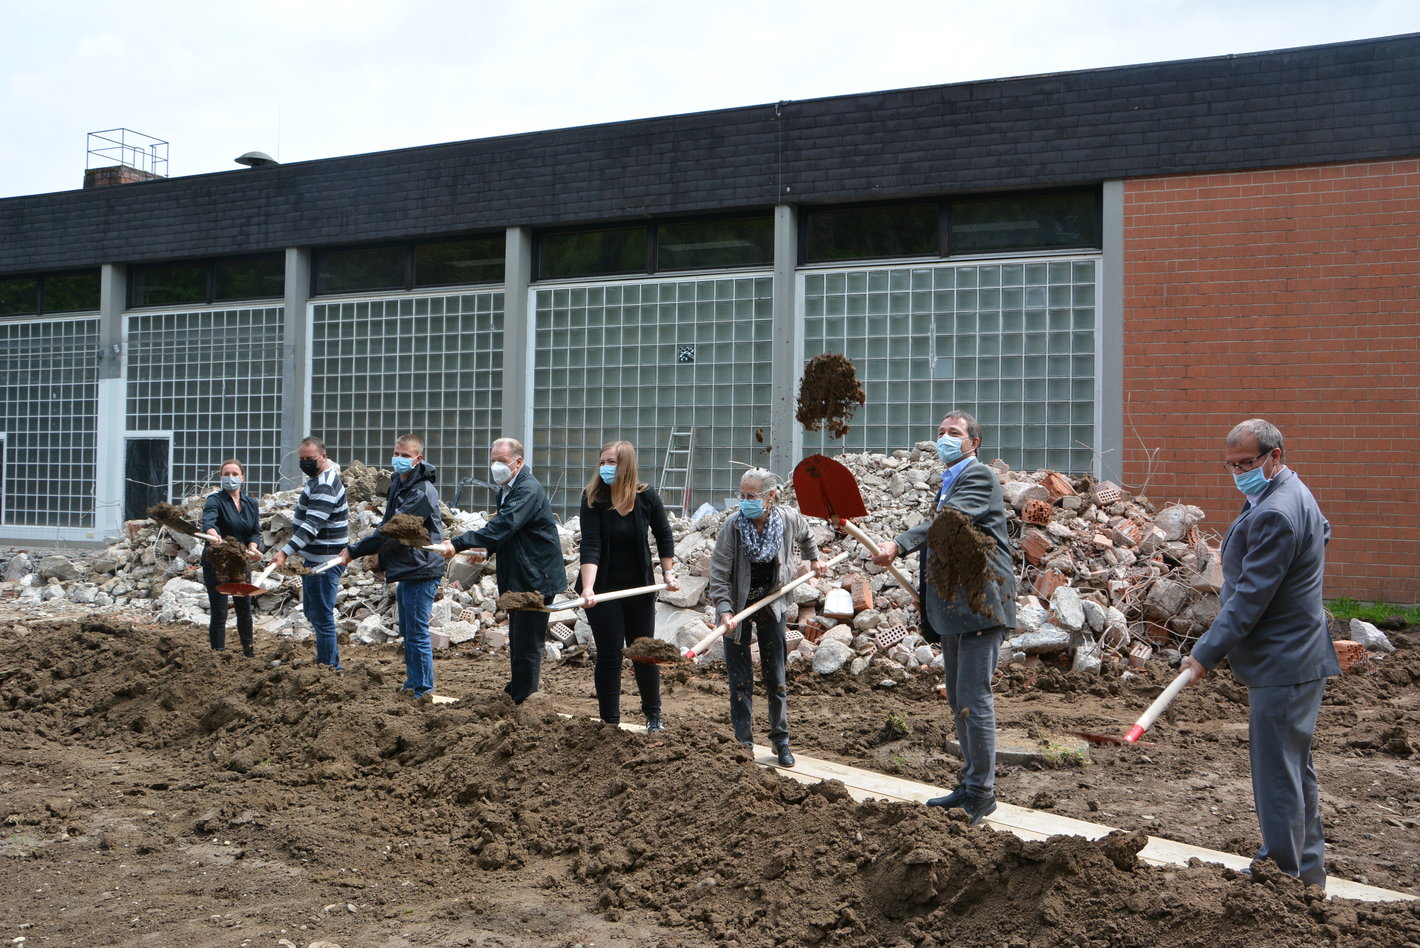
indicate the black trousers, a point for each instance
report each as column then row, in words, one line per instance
column 527, row 635
column 615, row 625
column 217, row 607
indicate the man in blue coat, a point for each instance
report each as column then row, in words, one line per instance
column 1272, row 629
column 971, row 641
column 523, row 535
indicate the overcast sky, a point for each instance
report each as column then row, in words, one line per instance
column 303, row 79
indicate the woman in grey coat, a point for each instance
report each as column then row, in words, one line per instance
column 754, row 555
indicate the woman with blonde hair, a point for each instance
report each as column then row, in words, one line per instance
column 617, row 511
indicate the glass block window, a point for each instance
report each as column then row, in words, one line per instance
column 1012, row 343
column 427, row 365
column 212, row 378
column 49, row 393
column 635, row 361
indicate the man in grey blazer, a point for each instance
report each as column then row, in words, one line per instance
column 971, row 641
column 1272, row 629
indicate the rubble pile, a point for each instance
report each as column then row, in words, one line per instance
column 1105, row 579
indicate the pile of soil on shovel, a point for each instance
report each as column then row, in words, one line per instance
column 511, row 600
column 647, row 649
column 407, row 529
column 294, row 567
column 829, row 394
column 171, row 517
column 960, row 564
column 147, row 778
column 229, row 560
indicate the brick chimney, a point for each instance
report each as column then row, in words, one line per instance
column 116, row 174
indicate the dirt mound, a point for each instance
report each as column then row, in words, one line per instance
column 829, row 394
column 335, row 790
column 960, row 564
column 407, row 529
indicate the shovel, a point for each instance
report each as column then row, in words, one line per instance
column 239, row 588
column 826, row 489
column 704, row 644
column 1147, row 719
column 601, row 597
column 177, row 525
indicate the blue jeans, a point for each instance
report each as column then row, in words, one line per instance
column 414, row 600
column 318, row 603
column 970, row 661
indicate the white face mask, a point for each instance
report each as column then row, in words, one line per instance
column 502, row 473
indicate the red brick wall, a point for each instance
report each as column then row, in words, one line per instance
column 1291, row 295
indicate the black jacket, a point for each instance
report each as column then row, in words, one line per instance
column 647, row 512
column 416, row 495
column 523, row 535
column 245, row 525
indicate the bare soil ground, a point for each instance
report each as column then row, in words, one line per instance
column 156, row 793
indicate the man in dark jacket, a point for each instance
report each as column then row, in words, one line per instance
column 523, row 535
column 416, row 571
column 971, row 641
column 1272, row 629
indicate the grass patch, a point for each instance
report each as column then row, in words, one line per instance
column 1347, row 609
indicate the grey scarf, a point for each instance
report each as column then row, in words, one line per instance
column 762, row 547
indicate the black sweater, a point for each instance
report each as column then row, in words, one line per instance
column 647, row 512
column 245, row 525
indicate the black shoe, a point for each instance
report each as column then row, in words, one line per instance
column 653, row 723
column 786, row 759
column 957, row 797
column 979, row 808
column 249, row 652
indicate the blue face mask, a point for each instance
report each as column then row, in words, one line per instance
column 231, row 482
column 752, row 509
column 401, row 465
column 1251, row 482
column 607, row 473
column 949, row 449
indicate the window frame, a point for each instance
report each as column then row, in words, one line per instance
column 209, row 297
column 407, row 248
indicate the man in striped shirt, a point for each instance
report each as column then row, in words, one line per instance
column 322, row 530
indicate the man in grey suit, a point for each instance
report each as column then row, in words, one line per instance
column 971, row 641
column 1272, row 629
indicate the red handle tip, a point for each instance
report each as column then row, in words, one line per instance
column 1134, row 734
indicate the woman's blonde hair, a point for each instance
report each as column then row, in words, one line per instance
column 622, row 492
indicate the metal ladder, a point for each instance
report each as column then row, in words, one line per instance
column 676, row 476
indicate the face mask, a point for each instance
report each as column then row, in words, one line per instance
column 752, row 509
column 230, row 482
column 607, row 472
column 502, row 473
column 401, row 465
column 1251, row 482
column 310, row 467
column 949, row 449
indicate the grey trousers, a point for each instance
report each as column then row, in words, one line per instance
column 1281, row 721
column 970, row 661
column 770, row 632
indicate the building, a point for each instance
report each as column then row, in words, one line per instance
column 1109, row 267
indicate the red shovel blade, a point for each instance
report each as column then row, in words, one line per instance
column 239, row 589
column 827, row 490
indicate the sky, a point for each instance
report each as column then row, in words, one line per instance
column 307, row 79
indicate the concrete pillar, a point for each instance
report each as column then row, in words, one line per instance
column 1109, row 340
column 518, row 340
column 787, row 346
column 295, row 364
column 112, row 419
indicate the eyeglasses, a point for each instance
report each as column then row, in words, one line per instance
column 1243, row 466
column 744, row 495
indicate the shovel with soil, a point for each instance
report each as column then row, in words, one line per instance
column 704, row 644
column 253, row 588
column 827, row 490
column 1147, row 719
column 167, row 515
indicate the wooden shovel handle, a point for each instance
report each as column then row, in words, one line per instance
column 1147, row 719
column 704, row 644
column 581, row 601
column 262, row 576
column 853, row 531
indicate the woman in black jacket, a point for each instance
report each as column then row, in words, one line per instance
column 617, row 510
column 230, row 512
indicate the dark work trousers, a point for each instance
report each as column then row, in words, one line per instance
column 770, row 632
column 527, row 636
column 615, row 625
column 217, row 605
column 1281, row 722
